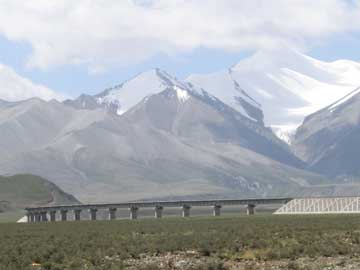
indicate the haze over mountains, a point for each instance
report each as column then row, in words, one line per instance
column 15, row 87
column 209, row 135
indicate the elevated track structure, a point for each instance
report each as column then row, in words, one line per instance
column 62, row 212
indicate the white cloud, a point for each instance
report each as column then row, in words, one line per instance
column 13, row 87
column 103, row 33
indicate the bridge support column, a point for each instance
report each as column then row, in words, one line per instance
column 158, row 211
column 28, row 217
column 63, row 214
column 134, row 212
column 112, row 213
column 93, row 213
column 250, row 210
column 32, row 217
column 216, row 210
column 186, row 210
column 77, row 214
column 43, row 216
column 37, row 217
column 52, row 215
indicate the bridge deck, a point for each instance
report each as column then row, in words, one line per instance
column 143, row 204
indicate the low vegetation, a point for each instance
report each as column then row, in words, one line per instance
column 23, row 190
column 160, row 244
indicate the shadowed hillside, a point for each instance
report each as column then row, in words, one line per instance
column 20, row 191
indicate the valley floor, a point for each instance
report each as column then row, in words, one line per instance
column 227, row 242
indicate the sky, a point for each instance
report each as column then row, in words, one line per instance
column 60, row 49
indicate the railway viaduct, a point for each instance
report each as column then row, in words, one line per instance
column 45, row 214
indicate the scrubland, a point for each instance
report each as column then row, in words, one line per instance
column 228, row 242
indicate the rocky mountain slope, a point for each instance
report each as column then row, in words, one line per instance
column 329, row 139
column 202, row 118
column 178, row 142
column 34, row 123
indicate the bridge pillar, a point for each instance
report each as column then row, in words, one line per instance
column 52, row 215
column 186, row 210
column 133, row 212
column 158, row 211
column 37, row 217
column 77, row 214
column 93, row 213
column 250, row 210
column 112, row 213
column 28, row 217
column 216, row 210
column 63, row 214
column 32, row 217
column 43, row 216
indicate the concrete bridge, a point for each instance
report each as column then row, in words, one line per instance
column 44, row 214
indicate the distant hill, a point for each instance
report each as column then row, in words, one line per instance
column 20, row 191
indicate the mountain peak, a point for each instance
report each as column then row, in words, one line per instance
column 268, row 60
column 123, row 97
column 288, row 84
column 343, row 100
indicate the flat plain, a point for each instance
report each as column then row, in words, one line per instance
column 228, row 242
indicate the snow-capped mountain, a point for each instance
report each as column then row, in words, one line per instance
column 287, row 85
column 173, row 143
column 207, row 135
column 204, row 118
column 274, row 88
column 128, row 94
column 121, row 98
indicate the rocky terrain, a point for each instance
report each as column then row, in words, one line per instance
column 328, row 140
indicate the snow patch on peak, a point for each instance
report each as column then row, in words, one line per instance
column 285, row 132
column 333, row 106
column 225, row 86
column 119, row 112
column 182, row 94
column 266, row 60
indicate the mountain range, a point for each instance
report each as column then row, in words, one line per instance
column 275, row 124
